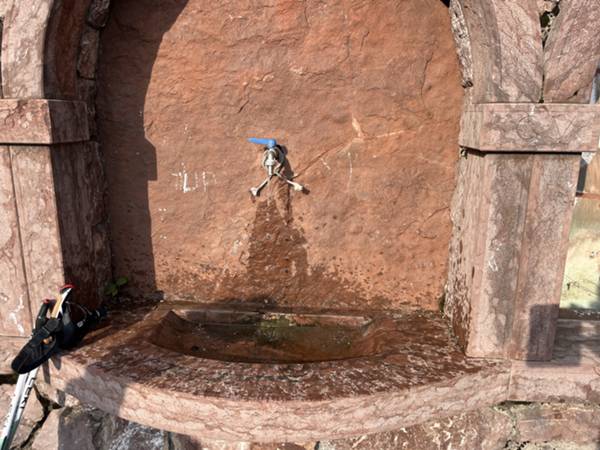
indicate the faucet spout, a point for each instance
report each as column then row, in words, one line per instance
column 273, row 161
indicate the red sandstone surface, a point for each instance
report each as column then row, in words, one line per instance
column 366, row 97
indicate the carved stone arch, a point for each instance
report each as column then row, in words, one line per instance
column 40, row 46
column 521, row 162
column 23, row 44
column 572, row 52
column 500, row 49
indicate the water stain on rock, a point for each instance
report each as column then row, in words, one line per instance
column 276, row 267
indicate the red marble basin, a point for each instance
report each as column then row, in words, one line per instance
column 273, row 337
column 285, row 375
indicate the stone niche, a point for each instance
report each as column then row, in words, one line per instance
column 365, row 96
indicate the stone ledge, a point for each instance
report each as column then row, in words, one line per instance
column 425, row 377
column 530, row 127
column 42, row 122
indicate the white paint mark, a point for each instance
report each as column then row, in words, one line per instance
column 186, row 188
column 185, row 182
column 325, row 164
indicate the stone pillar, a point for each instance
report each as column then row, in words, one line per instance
column 31, row 257
column 53, row 226
column 512, row 213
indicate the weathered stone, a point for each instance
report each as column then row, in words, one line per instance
column 488, row 212
column 98, row 13
column 119, row 434
column 181, row 442
column 567, row 423
column 84, row 428
column 62, row 41
column 506, row 66
column 88, row 53
column 521, row 127
column 38, row 220
column 462, row 40
column 15, row 314
column 56, row 396
column 66, row 429
column 42, row 121
column 485, row 429
column 79, row 189
column 551, row 194
column 572, row 52
column 504, row 285
column 86, row 91
column 353, row 91
column 23, row 44
column 34, row 413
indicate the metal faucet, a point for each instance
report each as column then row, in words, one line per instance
column 273, row 162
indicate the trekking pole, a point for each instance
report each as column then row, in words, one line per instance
column 26, row 380
column 17, row 406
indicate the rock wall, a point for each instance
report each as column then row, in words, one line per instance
column 365, row 96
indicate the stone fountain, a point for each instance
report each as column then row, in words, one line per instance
column 394, row 289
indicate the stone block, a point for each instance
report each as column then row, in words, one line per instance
column 488, row 214
column 41, row 122
column 84, row 428
column 521, row 127
column 86, row 91
column 511, row 215
column 572, row 52
column 506, row 67
column 550, row 202
column 98, row 13
column 38, row 220
column 23, row 47
column 88, row 53
column 15, row 314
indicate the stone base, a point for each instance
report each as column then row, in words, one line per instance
column 532, row 426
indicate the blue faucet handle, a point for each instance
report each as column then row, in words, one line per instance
column 269, row 143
